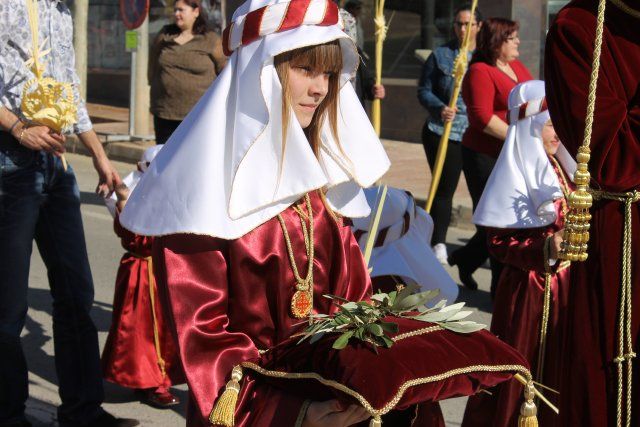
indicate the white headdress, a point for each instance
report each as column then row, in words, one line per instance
column 222, row 172
column 402, row 244
column 523, row 185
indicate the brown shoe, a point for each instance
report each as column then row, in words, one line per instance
column 160, row 399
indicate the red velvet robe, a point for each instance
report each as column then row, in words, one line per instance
column 517, row 316
column 129, row 357
column 589, row 384
column 231, row 298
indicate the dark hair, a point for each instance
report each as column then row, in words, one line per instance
column 467, row 7
column 200, row 26
column 493, row 34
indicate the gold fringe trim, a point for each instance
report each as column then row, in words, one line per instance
column 401, row 390
column 225, row 408
column 375, row 422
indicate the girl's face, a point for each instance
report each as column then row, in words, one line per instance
column 307, row 89
column 509, row 50
column 550, row 140
column 185, row 15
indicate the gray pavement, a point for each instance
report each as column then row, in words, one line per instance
column 104, row 254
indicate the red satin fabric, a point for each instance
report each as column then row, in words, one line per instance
column 230, row 298
column 517, row 316
column 589, row 383
column 129, row 357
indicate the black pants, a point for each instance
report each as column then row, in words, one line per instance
column 477, row 167
column 443, row 200
column 164, row 128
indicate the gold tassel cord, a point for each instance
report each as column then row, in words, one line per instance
column 624, row 359
column 459, row 70
column 224, row 410
column 375, row 422
column 576, row 234
column 528, row 411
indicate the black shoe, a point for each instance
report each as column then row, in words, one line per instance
column 465, row 274
column 105, row 419
column 21, row 423
column 108, row 420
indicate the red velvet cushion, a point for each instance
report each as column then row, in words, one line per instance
column 426, row 367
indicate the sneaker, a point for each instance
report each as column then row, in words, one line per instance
column 440, row 250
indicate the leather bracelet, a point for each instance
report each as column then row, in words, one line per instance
column 13, row 126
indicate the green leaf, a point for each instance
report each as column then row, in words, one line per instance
column 316, row 337
column 342, row 340
column 412, row 302
column 380, row 297
column 375, row 329
column 459, row 316
column 388, row 342
column 389, row 327
column 463, row 327
column 349, row 306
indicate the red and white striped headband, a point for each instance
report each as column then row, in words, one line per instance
column 528, row 109
column 278, row 17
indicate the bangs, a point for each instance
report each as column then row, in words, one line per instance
column 319, row 58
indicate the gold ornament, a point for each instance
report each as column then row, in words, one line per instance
column 45, row 101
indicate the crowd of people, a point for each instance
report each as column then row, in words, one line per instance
column 202, row 289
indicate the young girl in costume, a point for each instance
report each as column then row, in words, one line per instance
column 248, row 198
column 524, row 208
column 140, row 352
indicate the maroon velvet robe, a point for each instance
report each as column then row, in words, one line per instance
column 231, row 298
column 517, row 316
column 129, row 357
column 589, row 384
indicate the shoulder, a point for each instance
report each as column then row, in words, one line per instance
column 480, row 70
column 211, row 37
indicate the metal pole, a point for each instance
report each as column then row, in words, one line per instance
column 132, row 94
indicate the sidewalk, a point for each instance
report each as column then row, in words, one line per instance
column 409, row 169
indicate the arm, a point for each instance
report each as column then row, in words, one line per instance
column 154, row 53
column 615, row 144
column 427, row 98
column 479, row 94
column 193, row 270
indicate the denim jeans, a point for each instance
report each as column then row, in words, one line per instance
column 40, row 201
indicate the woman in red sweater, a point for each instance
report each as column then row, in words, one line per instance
column 493, row 72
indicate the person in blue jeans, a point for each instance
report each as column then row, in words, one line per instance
column 434, row 93
column 40, row 200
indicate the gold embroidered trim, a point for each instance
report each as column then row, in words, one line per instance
column 417, row 332
column 401, row 390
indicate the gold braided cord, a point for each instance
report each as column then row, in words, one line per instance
column 626, row 9
column 301, row 284
column 417, row 332
column 401, row 390
column 624, row 359
column 156, row 333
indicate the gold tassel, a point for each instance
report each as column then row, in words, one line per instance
column 375, row 421
column 225, row 408
column 528, row 411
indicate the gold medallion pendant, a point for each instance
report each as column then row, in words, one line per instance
column 302, row 300
column 301, row 304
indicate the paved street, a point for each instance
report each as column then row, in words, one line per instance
column 104, row 253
